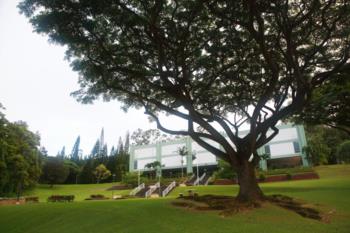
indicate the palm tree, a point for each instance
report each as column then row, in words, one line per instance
column 182, row 152
column 153, row 166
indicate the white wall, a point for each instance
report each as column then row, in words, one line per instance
column 145, row 152
column 170, row 157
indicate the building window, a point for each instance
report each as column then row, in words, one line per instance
column 296, row 147
column 135, row 164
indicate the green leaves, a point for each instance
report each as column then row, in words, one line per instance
column 202, row 61
column 19, row 157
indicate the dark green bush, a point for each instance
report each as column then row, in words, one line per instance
column 289, row 176
column 343, row 152
column 31, row 199
column 131, row 178
column 262, row 177
column 60, row 198
column 225, row 171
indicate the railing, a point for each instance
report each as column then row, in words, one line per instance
column 199, row 179
column 137, row 189
column 196, row 182
column 151, row 189
column 168, row 189
column 187, row 180
column 207, row 181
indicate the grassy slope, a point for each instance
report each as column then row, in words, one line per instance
column 332, row 191
column 80, row 191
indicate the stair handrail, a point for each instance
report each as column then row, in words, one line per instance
column 168, row 189
column 137, row 189
column 199, row 179
column 207, row 181
column 202, row 177
column 196, row 182
column 151, row 189
column 187, row 180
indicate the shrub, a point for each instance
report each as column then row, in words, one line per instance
column 31, row 199
column 262, row 177
column 96, row 197
column 100, row 196
column 289, row 176
column 289, row 170
column 131, row 178
column 343, row 152
column 60, row 198
column 225, row 171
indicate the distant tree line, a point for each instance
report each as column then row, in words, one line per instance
column 100, row 165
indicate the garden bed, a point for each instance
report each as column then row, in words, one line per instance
column 60, row 198
column 11, row 201
column 20, row 201
column 97, row 197
column 273, row 178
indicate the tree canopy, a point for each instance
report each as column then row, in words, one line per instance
column 329, row 105
column 20, row 158
column 54, row 171
column 213, row 62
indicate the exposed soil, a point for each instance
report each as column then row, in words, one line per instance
column 298, row 207
column 228, row 205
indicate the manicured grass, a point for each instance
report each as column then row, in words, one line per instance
column 80, row 191
column 330, row 193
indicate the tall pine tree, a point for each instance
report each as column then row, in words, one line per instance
column 75, row 150
column 120, row 149
column 127, row 142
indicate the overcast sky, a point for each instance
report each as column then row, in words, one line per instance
column 35, row 86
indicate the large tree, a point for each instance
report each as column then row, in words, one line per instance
column 20, row 158
column 215, row 64
column 54, row 171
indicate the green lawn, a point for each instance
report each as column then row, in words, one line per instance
column 330, row 193
column 80, row 191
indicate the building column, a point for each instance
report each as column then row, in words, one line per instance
column 302, row 144
column 262, row 162
column 132, row 158
column 189, row 160
column 159, row 157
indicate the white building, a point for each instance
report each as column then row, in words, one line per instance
column 284, row 150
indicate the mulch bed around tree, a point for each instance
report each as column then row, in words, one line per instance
column 227, row 205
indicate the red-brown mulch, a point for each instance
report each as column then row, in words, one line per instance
column 274, row 178
column 12, row 201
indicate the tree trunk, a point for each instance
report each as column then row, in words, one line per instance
column 249, row 189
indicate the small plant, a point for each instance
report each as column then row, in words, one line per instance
column 101, row 173
column 262, row 177
column 289, row 176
